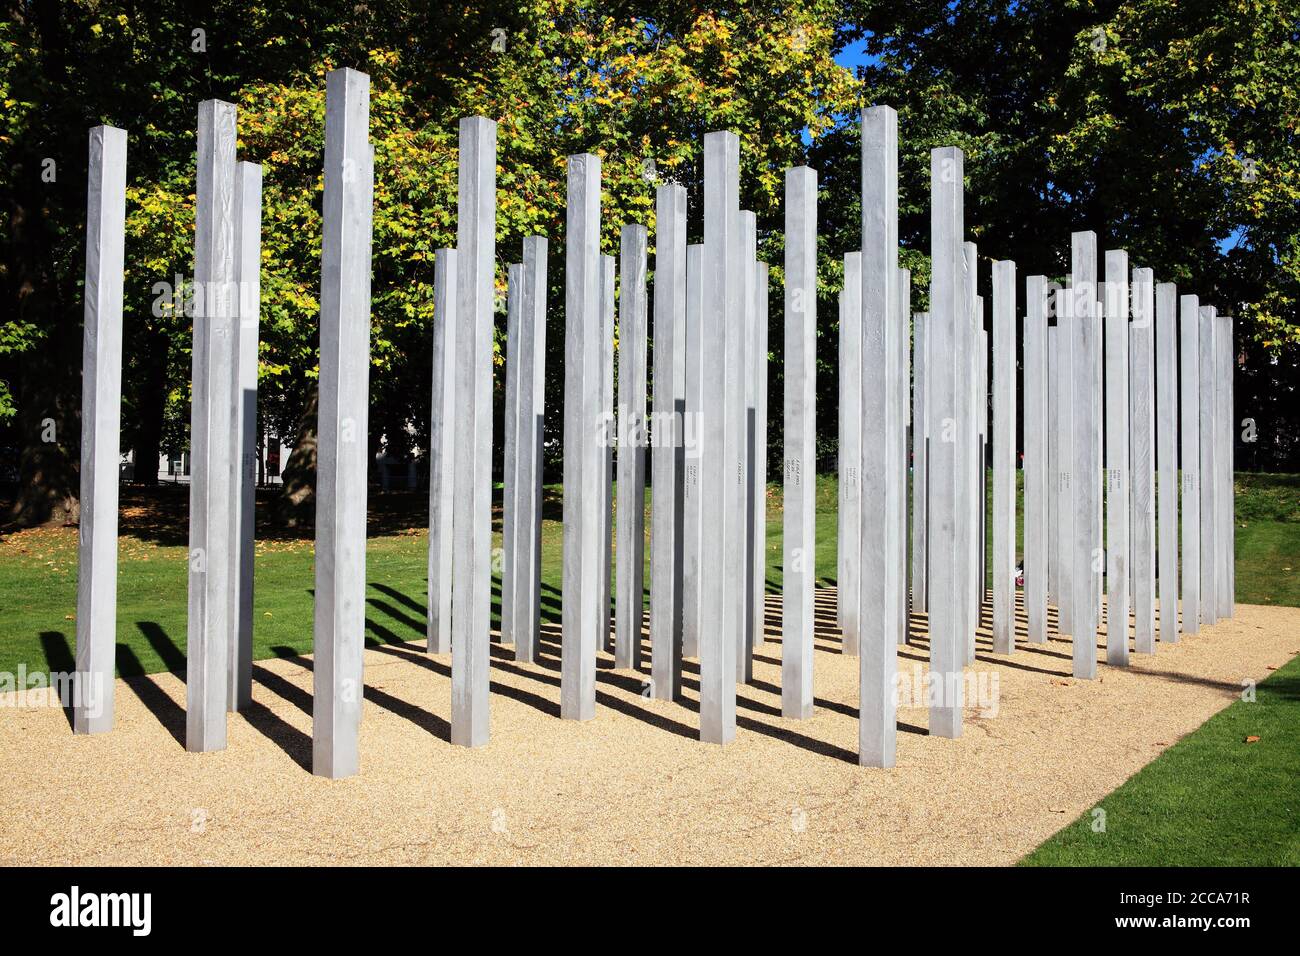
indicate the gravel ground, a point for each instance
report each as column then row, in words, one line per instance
column 632, row 786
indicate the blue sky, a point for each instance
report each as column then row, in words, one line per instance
column 854, row 55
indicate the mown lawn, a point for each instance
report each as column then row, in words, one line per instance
column 38, row 580
column 38, row 573
column 1227, row 794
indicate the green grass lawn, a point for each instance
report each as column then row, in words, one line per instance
column 38, row 581
column 1268, row 522
column 1213, row 799
column 38, row 573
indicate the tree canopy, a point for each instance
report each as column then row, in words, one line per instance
column 1169, row 128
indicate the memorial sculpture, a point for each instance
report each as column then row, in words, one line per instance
column 1125, row 386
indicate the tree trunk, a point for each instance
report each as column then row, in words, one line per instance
column 296, row 506
column 48, row 392
column 149, row 407
column 49, row 481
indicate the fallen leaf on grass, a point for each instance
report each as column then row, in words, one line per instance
column 1252, row 739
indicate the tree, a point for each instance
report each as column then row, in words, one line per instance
column 559, row 77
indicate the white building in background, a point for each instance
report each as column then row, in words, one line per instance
column 176, row 468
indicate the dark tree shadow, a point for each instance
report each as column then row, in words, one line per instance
column 161, row 514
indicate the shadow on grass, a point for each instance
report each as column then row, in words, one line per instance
column 161, row 515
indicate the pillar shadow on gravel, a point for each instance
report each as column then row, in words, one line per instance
column 59, row 659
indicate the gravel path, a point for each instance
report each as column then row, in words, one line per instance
column 632, row 786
